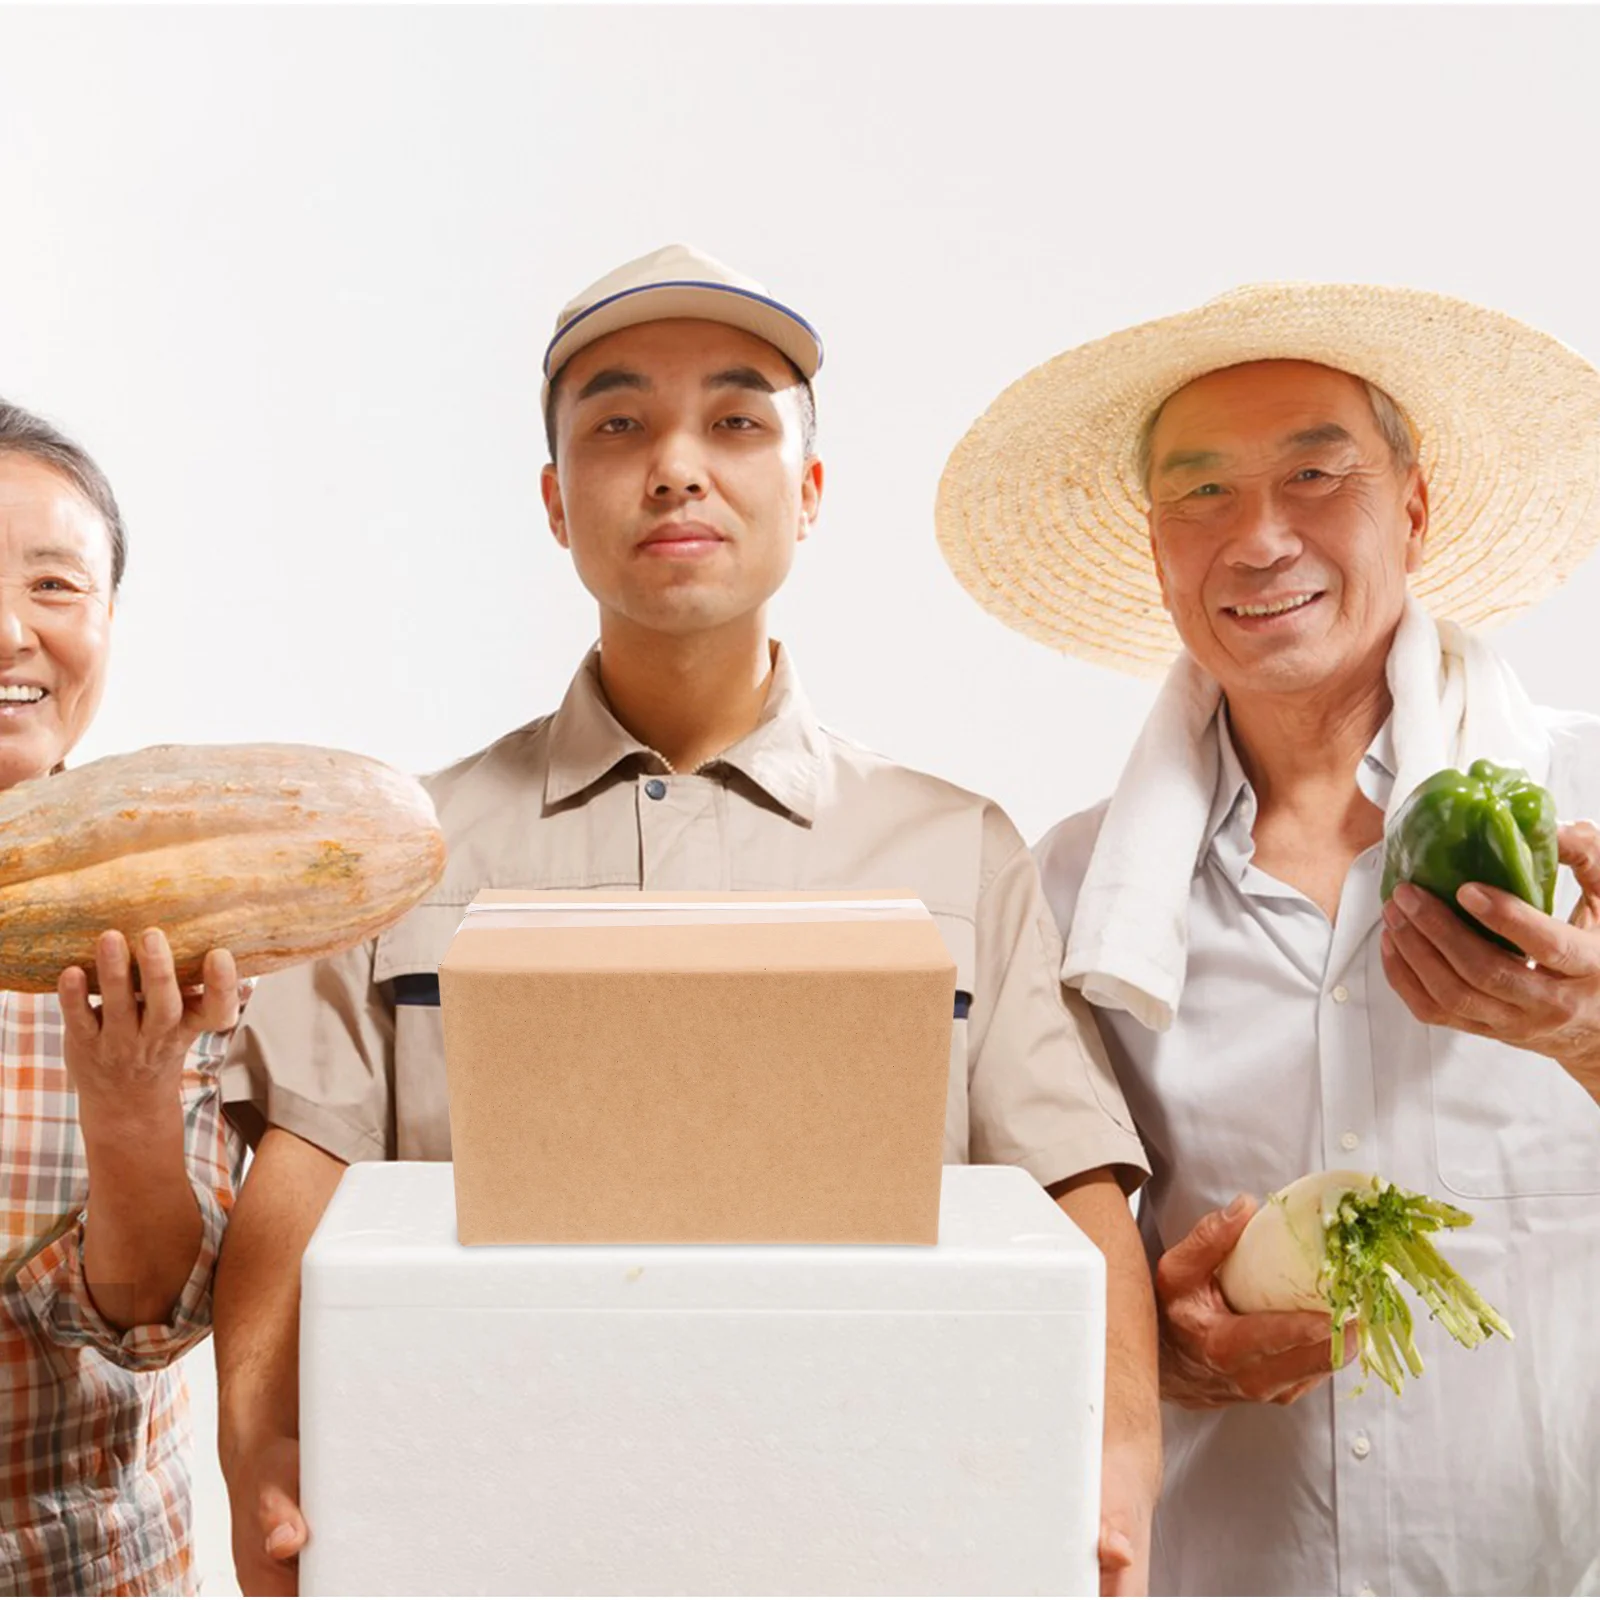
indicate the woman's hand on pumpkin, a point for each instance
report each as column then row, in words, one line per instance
column 126, row 1055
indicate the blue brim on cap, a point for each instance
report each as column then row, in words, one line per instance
column 785, row 329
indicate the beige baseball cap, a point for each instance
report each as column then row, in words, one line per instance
column 678, row 281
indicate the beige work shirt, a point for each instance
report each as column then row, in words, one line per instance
column 348, row 1052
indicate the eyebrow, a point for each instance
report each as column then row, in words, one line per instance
column 610, row 378
column 1323, row 433
column 741, row 378
column 58, row 552
column 1180, row 460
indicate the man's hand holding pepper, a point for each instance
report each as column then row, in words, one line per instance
column 1450, row 976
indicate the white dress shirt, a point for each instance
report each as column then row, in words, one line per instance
column 1290, row 1054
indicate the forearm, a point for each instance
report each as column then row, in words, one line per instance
column 143, row 1230
column 1097, row 1204
column 256, row 1315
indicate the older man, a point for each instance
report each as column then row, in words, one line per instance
column 1298, row 476
column 684, row 756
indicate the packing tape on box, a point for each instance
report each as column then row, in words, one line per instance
column 680, row 913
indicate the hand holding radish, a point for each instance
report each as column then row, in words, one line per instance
column 1450, row 976
column 1345, row 1242
column 1213, row 1356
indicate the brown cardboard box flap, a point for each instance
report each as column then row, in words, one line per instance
column 636, row 1067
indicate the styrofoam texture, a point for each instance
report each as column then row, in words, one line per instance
column 700, row 1419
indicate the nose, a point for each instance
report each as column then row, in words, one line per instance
column 1263, row 534
column 678, row 472
column 16, row 632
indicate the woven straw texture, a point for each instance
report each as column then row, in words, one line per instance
column 1042, row 517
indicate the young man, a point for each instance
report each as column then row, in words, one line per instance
column 1287, row 473
column 684, row 756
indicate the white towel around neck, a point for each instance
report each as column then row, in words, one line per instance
column 1455, row 701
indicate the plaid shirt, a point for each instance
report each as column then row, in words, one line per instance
column 94, row 1424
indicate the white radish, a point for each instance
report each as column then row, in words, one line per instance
column 1343, row 1242
column 1277, row 1264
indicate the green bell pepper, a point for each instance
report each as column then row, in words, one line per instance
column 1490, row 824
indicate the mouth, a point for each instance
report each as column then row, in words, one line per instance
column 20, row 695
column 1264, row 611
column 681, row 539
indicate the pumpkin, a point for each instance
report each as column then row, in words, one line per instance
column 277, row 853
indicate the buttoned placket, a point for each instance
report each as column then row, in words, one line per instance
column 1347, row 1072
column 1347, row 1081
column 683, row 841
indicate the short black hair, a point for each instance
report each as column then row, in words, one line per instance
column 24, row 434
column 808, row 410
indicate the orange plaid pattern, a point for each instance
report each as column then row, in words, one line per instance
column 94, row 1426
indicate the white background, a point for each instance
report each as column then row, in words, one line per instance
column 288, row 274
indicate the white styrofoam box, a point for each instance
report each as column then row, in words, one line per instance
column 700, row 1419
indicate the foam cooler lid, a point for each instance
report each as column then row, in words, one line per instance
column 389, row 1238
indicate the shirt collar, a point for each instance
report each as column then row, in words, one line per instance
column 1231, row 826
column 782, row 755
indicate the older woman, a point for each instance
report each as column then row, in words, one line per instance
column 117, row 1169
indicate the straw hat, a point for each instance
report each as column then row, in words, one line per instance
column 678, row 281
column 1042, row 516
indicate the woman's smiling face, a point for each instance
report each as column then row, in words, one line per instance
column 55, row 616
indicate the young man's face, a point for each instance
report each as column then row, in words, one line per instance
column 681, row 484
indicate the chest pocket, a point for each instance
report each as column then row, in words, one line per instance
column 407, row 958
column 961, row 941
column 1509, row 1122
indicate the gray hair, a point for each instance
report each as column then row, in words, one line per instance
column 24, row 434
column 1393, row 428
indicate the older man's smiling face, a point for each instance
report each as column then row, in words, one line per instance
column 1282, row 526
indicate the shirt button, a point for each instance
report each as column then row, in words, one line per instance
column 656, row 789
column 1340, row 994
column 1361, row 1447
column 1348, row 1141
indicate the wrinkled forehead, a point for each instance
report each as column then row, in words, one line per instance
column 1237, row 389
column 44, row 516
column 1261, row 406
column 1264, row 391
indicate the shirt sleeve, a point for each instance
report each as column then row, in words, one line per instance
column 53, row 1283
column 1042, row 1092
column 315, row 1056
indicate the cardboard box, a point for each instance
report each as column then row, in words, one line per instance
column 712, row 1068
